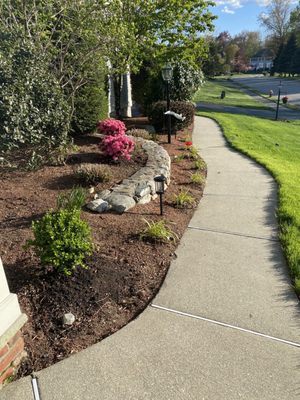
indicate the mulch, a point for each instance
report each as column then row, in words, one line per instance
column 124, row 272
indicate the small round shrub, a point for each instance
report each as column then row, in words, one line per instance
column 142, row 133
column 62, row 240
column 158, row 119
column 93, row 173
column 118, row 146
column 111, row 127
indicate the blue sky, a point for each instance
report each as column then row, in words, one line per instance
column 236, row 16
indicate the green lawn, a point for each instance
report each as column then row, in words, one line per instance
column 276, row 145
column 211, row 91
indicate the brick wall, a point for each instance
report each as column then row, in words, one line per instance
column 10, row 356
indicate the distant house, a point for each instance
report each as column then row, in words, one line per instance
column 262, row 60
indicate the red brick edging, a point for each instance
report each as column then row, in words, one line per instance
column 10, row 357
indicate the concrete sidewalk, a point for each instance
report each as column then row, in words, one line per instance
column 225, row 324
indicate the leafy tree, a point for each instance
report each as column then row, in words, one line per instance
column 248, row 42
column 276, row 20
column 158, row 30
column 213, row 64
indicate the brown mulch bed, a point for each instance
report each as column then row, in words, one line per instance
column 124, row 272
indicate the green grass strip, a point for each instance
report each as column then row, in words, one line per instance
column 211, row 92
column 276, row 146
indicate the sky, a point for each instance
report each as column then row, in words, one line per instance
column 236, row 16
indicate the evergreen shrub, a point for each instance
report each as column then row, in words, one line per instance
column 158, row 119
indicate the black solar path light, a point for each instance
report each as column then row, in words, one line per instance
column 160, row 189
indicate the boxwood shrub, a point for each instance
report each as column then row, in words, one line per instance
column 62, row 239
column 159, row 120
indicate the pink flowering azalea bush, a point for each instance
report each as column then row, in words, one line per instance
column 117, row 146
column 111, row 126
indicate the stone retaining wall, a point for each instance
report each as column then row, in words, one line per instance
column 140, row 187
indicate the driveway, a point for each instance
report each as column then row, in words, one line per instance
column 263, row 84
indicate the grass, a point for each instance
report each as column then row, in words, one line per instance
column 183, row 200
column 199, row 164
column 275, row 145
column 158, row 231
column 197, row 179
column 211, row 91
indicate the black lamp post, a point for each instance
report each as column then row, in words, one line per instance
column 160, row 189
column 278, row 100
column 167, row 74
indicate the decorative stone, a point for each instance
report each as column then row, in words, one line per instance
column 104, row 194
column 142, row 189
column 145, row 199
column 120, row 203
column 68, row 319
column 127, row 190
column 98, row 205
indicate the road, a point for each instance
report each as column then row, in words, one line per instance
column 284, row 113
column 264, row 84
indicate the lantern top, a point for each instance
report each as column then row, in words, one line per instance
column 160, row 178
column 167, row 72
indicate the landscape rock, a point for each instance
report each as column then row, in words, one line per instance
column 120, row 203
column 68, row 319
column 98, row 205
column 145, row 199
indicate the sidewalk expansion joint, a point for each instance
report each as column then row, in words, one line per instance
column 243, row 196
column 221, row 232
column 224, row 325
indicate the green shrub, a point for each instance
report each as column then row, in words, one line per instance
column 91, row 105
column 158, row 119
column 148, row 86
column 33, row 109
column 183, row 200
column 62, row 240
column 93, row 173
column 186, row 81
column 73, row 200
column 158, row 231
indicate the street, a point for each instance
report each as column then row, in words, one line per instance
column 264, row 84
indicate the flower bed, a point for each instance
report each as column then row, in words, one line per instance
column 124, row 271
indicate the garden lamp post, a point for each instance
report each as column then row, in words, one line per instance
column 278, row 100
column 160, row 189
column 167, row 74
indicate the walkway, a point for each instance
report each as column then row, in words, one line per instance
column 207, row 334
